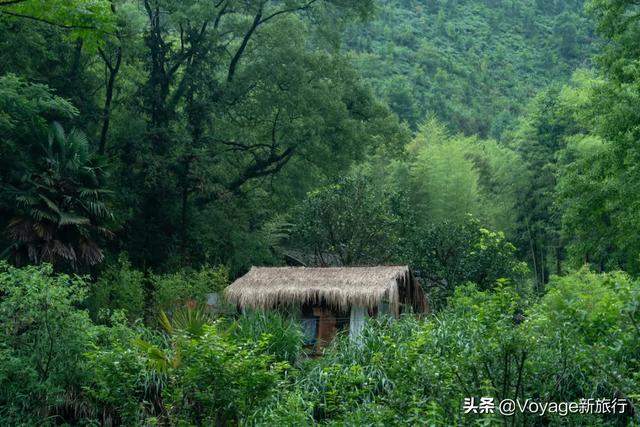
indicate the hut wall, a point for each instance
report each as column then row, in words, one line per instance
column 327, row 327
column 356, row 323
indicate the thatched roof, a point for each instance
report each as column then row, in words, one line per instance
column 341, row 287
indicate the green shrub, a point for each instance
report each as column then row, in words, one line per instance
column 43, row 339
column 119, row 287
column 283, row 336
column 198, row 373
column 219, row 379
column 451, row 253
column 172, row 290
column 118, row 386
column 284, row 408
column 407, row 371
column 587, row 330
column 579, row 341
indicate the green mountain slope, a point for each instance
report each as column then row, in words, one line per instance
column 472, row 63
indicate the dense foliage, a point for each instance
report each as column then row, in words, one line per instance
column 151, row 151
column 43, row 343
column 472, row 63
column 418, row 372
column 203, row 371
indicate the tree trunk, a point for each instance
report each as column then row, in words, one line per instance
column 106, row 111
column 184, row 209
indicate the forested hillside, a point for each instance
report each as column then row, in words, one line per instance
column 152, row 151
column 474, row 64
column 195, row 137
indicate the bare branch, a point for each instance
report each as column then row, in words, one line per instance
column 274, row 129
column 238, row 146
column 222, row 12
column 257, row 21
column 268, row 166
column 290, row 10
column 106, row 112
column 46, row 21
column 243, row 45
column 10, row 2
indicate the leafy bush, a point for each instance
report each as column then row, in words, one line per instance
column 196, row 373
column 43, row 339
column 220, row 380
column 587, row 331
column 406, row 371
column 450, row 254
column 579, row 341
column 121, row 388
column 283, row 336
column 119, row 287
column 172, row 290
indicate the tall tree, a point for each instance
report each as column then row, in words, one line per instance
column 349, row 222
column 233, row 92
column 539, row 137
column 605, row 213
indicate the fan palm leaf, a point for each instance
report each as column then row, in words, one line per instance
column 62, row 204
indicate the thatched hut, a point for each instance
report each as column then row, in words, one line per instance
column 327, row 299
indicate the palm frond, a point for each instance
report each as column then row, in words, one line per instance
column 191, row 320
column 73, row 219
column 41, row 215
column 62, row 202
column 25, row 200
column 158, row 359
column 165, row 322
column 50, row 203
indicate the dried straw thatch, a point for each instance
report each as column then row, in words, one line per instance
column 340, row 287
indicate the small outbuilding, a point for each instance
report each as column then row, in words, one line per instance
column 328, row 299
